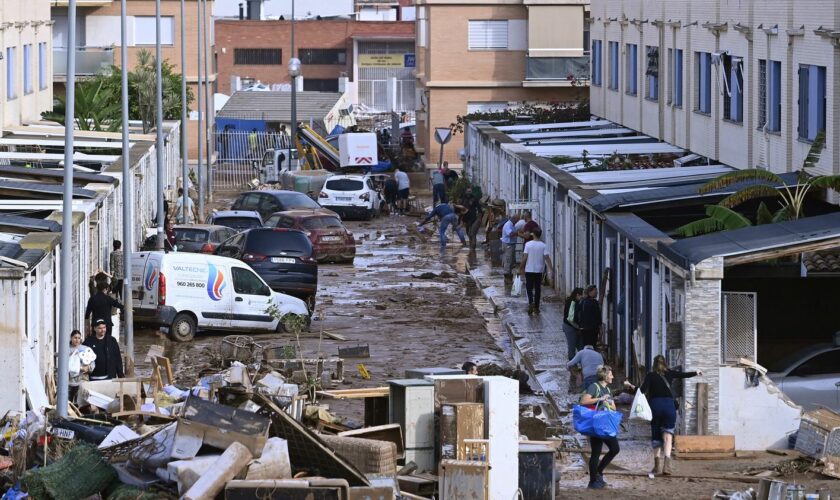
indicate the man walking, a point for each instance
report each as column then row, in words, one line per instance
column 180, row 217
column 117, row 268
column 589, row 360
column 447, row 217
column 403, row 185
column 588, row 313
column 509, row 240
column 438, row 187
column 99, row 307
column 535, row 263
column 108, row 357
column 390, row 189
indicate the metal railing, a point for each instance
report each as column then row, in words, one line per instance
column 238, row 150
column 89, row 60
column 556, row 68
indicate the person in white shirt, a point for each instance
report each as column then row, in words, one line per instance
column 509, row 239
column 179, row 209
column 535, row 263
column 403, row 186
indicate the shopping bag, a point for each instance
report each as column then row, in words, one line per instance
column 640, row 410
column 516, row 289
column 605, row 423
column 582, row 418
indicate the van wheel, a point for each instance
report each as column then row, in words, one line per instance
column 290, row 323
column 183, row 328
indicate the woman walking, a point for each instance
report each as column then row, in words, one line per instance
column 588, row 314
column 81, row 364
column 663, row 404
column 596, row 394
column 570, row 328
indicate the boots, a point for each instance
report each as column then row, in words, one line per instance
column 666, row 469
column 657, row 466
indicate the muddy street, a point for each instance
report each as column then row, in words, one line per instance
column 411, row 304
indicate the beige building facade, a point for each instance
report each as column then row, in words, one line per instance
column 744, row 83
column 487, row 55
column 98, row 43
column 26, row 67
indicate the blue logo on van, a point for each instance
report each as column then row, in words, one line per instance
column 215, row 283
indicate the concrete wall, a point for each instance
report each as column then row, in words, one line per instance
column 12, row 395
column 679, row 24
column 759, row 417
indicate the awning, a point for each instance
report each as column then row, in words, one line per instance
column 38, row 190
column 756, row 243
column 28, row 223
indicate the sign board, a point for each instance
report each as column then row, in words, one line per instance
column 523, row 205
column 443, row 135
column 382, row 60
column 410, row 60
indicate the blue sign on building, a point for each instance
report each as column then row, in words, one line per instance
column 409, row 60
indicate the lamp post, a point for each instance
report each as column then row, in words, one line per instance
column 294, row 72
column 161, row 215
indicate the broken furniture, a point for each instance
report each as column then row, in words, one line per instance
column 288, row 489
column 436, row 370
column 459, row 421
column 388, row 432
column 819, row 434
column 537, row 475
column 411, row 405
column 217, row 425
column 369, row 455
column 376, row 402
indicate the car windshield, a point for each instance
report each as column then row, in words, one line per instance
column 293, row 201
column 345, row 185
column 793, row 360
column 239, row 223
column 322, row 223
column 191, row 235
column 279, row 242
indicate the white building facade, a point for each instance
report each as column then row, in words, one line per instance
column 747, row 83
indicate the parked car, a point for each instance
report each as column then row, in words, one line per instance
column 241, row 220
column 185, row 293
column 284, row 258
column 331, row 239
column 352, row 196
column 811, row 376
column 201, row 238
column 270, row 201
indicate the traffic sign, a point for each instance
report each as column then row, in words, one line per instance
column 443, row 135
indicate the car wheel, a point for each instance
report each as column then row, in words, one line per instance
column 290, row 323
column 183, row 328
column 310, row 303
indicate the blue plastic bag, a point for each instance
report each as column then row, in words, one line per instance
column 596, row 423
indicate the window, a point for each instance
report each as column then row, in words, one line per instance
column 822, row 364
column 762, row 93
column 11, row 91
column 596, row 62
column 676, row 77
column 811, row 101
column 613, row 46
column 631, row 54
column 246, row 282
column 321, row 84
column 322, row 56
column 258, row 57
column 652, row 73
column 733, row 87
column 27, row 68
column 774, row 96
column 704, row 82
column 42, row 65
column 345, row 185
column 488, row 35
column 145, row 29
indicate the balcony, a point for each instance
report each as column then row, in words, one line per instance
column 555, row 71
column 89, row 61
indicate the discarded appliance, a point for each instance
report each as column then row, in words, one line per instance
column 411, row 405
column 422, row 372
column 459, row 421
column 536, row 471
column 819, row 434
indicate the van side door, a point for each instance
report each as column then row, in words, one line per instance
column 251, row 300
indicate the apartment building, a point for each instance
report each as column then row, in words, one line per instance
column 26, row 49
column 488, row 55
column 367, row 54
column 745, row 83
column 98, row 43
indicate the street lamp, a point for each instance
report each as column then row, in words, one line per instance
column 294, row 72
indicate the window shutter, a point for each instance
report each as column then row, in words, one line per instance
column 488, row 34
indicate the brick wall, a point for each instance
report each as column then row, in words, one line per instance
column 321, row 34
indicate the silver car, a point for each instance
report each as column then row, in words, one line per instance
column 810, row 377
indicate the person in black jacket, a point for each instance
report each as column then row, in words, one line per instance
column 570, row 328
column 588, row 314
column 108, row 357
column 99, row 306
column 663, row 404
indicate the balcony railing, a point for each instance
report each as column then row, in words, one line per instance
column 89, row 60
column 548, row 69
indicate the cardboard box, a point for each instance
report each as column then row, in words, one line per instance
column 218, row 426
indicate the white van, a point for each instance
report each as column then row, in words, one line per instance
column 186, row 292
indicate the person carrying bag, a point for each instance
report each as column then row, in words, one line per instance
column 596, row 417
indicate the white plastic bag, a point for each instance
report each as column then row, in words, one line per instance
column 640, row 409
column 516, row 289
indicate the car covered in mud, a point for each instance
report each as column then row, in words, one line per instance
column 329, row 236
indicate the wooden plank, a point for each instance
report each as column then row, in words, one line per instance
column 702, row 408
column 334, row 336
column 705, row 456
column 370, row 392
column 704, row 444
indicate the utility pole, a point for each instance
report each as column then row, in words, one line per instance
column 200, row 178
column 66, row 285
column 207, row 102
column 184, row 135
column 294, row 72
column 127, row 198
column 161, row 216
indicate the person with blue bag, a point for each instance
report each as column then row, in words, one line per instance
column 597, row 410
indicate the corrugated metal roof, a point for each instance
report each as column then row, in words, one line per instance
column 56, row 174
column 14, row 251
column 34, row 188
column 608, row 149
column 752, row 239
column 276, row 106
column 28, row 223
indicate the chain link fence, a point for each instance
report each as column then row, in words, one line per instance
column 238, row 150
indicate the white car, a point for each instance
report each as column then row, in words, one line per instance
column 183, row 293
column 351, row 196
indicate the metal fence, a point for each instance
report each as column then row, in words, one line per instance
column 237, row 150
column 738, row 328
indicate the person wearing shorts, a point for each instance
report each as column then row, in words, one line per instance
column 403, row 186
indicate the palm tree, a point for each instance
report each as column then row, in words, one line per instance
column 97, row 107
column 766, row 185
